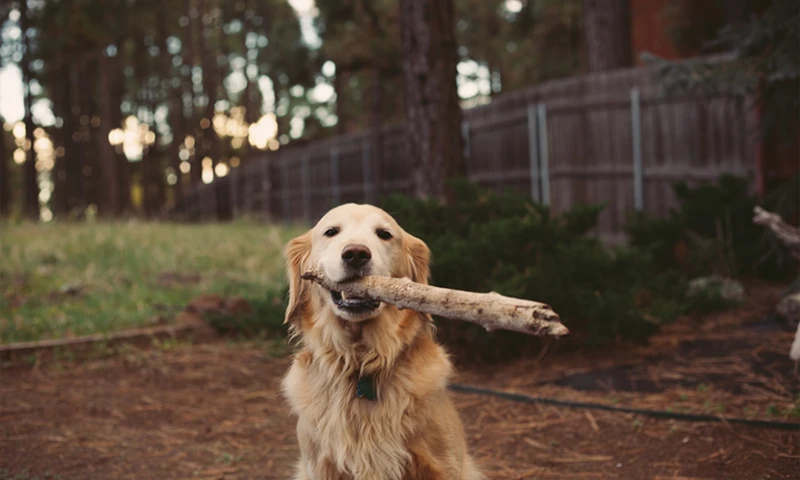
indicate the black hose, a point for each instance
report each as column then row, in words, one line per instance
column 685, row 417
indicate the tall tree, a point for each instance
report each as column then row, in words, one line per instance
column 31, row 185
column 5, row 182
column 108, row 157
column 433, row 114
column 607, row 28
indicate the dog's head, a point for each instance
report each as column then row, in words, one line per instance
column 351, row 241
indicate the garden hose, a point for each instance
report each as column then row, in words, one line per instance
column 685, row 417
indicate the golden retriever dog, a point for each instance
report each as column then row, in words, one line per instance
column 368, row 382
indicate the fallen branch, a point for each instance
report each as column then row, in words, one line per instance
column 787, row 234
column 490, row 310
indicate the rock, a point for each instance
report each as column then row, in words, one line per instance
column 728, row 288
column 789, row 308
column 70, row 289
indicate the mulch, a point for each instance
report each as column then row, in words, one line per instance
column 213, row 410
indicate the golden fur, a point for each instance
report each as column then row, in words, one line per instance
column 412, row 431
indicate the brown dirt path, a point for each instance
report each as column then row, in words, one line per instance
column 213, row 411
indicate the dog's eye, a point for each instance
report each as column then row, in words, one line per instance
column 383, row 234
column 331, row 232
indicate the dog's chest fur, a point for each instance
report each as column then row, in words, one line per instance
column 362, row 438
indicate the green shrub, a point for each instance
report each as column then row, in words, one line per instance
column 712, row 231
column 265, row 317
column 502, row 242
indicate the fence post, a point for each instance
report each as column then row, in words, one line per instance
column 533, row 153
column 306, row 187
column 465, row 136
column 284, row 187
column 636, row 141
column 541, row 117
column 234, row 193
column 336, row 191
column 366, row 170
column 266, row 189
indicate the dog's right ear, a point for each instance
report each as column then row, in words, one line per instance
column 296, row 254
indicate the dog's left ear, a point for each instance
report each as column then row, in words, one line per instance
column 418, row 257
column 297, row 253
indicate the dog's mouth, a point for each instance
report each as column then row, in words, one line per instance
column 353, row 304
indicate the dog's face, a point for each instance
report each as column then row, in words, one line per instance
column 351, row 241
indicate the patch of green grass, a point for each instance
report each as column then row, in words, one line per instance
column 229, row 459
column 58, row 280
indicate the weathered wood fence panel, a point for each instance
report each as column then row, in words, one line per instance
column 615, row 138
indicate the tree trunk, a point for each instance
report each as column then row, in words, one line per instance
column 123, row 165
column 196, row 171
column 108, row 158
column 433, row 114
column 73, row 163
column 175, row 106
column 339, row 85
column 5, row 182
column 607, row 28
column 31, row 185
column 209, row 143
column 377, row 134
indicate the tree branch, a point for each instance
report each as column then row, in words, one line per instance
column 787, row 234
column 490, row 310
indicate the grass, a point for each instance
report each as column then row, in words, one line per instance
column 61, row 280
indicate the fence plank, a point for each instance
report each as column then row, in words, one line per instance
column 541, row 117
column 636, row 135
column 614, row 137
column 533, row 153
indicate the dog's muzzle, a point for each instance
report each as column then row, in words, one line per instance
column 353, row 304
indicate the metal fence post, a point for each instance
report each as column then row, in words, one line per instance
column 284, row 187
column 465, row 136
column 541, row 117
column 266, row 190
column 636, row 144
column 336, row 191
column 533, row 153
column 234, row 193
column 366, row 170
column 306, row 187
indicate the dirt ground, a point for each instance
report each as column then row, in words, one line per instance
column 213, row 410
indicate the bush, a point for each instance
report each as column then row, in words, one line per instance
column 265, row 315
column 712, row 231
column 504, row 243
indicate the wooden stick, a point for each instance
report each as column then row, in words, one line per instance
column 490, row 310
column 787, row 234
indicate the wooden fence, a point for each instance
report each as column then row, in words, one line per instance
column 615, row 138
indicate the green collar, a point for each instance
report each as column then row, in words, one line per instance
column 366, row 388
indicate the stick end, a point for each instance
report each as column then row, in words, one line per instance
column 558, row 330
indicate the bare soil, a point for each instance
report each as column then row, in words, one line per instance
column 213, row 410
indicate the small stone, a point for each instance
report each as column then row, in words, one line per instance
column 70, row 289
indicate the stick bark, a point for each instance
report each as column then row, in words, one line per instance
column 490, row 310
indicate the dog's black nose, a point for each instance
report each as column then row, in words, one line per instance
column 355, row 255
